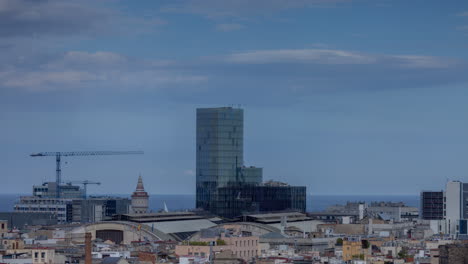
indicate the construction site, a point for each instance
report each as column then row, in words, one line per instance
column 68, row 202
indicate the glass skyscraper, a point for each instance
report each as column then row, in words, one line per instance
column 220, row 145
column 224, row 186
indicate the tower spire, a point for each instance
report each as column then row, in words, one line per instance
column 140, row 187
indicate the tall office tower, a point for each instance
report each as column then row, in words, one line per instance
column 220, row 153
column 224, row 186
column 432, row 205
column 220, row 147
column 140, row 198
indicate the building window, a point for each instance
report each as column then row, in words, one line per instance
column 36, row 255
column 42, row 254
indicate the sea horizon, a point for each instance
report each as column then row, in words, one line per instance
column 183, row 202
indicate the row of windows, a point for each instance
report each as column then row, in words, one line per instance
column 218, row 171
column 45, row 202
column 225, row 126
column 19, row 208
column 241, row 253
column 36, row 255
column 223, row 133
column 246, row 253
column 226, row 158
column 214, row 146
column 216, row 149
column 201, row 254
column 215, row 117
column 248, row 243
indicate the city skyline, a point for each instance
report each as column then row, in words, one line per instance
column 344, row 97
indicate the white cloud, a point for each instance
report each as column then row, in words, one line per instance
column 329, row 56
column 414, row 61
column 81, row 59
column 39, row 19
column 464, row 14
column 298, row 67
column 463, row 28
column 79, row 69
column 236, row 8
column 48, row 80
column 228, row 27
column 322, row 56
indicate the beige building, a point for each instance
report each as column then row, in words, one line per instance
column 344, row 229
column 3, row 227
column 352, row 249
column 43, row 256
column 12, row 243
column 227, row 257
column 244, row 247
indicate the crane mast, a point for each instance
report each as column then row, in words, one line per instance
column 58, row 155
column 85, row 186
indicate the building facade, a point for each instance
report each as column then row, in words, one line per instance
column 224, row 185
column 96, row 209
column 140, row 198
column 3, row 227
column 352, row 248
column 60, row 207
column 49, row 190
column 453, row 254
column 242, row 245
column 432, row 205
column 219, row 151
column 44, row 200
column 454, row 204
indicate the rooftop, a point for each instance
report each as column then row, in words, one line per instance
column 276, row 217
column 158, row 217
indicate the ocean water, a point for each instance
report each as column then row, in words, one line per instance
column 179, row 202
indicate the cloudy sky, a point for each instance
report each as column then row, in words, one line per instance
column 343, row 96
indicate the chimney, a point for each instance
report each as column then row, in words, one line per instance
column 88, row 246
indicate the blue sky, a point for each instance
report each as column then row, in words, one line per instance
column 345, row 97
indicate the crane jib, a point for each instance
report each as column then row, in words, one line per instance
column 57, row 155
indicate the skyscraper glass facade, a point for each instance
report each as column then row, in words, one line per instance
column 224, row 186
column 219, row 144
column 219, row 150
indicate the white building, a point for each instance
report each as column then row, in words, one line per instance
column 452, row 205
